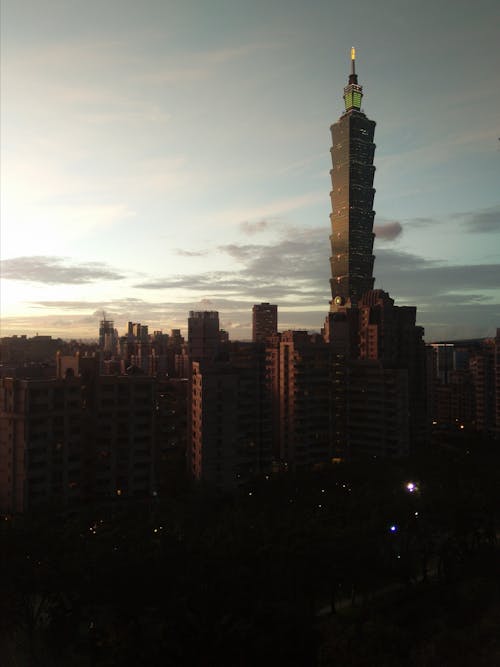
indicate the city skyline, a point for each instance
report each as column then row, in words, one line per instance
column 124, row 125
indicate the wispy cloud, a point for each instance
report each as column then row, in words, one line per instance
column 421, row 221
column 423, row 280
column 486, row 221
column 202, row 64
column 55, row 271
column 452, row 300
column 251, row 228
column 190, row 253
column 270, row 210
column 293, row 271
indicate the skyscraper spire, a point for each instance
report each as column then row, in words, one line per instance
column 353, row 65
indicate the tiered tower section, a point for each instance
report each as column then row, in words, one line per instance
column 352, row 199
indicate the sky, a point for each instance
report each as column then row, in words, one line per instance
column 164, row 156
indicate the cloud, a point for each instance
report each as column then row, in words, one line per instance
column 240, row 252
column 140, row 308
column 452, row 321
column 295, row 267
column 293, row 271
column 416, row 277
column 251, row 228
column 54, row 271
column 116, row 305
column 422, row 222
column 485, row 221
column 272, row 209
column 190, row 253
column 388, row 231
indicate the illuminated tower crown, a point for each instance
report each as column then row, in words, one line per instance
column 353, row 93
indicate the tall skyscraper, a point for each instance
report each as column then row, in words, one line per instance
column 352, row 199
column 264, row 321
column 378, row 352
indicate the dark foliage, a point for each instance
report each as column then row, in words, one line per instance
column 204, row 579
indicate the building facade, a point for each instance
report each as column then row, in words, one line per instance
column 299, row 376
column 229, row 418
column 80, row 437
column 264, row 321
column 203, row 335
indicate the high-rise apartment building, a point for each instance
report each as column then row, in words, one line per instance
column 463, row 388
column 264, row 321
column 229, row 418
column 299, row 383
column 203, row 335
column 389, row 334
column 42, row 457
column 79, row 437
column 108, row 337
column 378, row 415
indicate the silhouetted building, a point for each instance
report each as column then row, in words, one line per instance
column 108, row 337
column 389, row 334
column 171, row 432
column 298, row 372
column 378, row 414
column 20, row 350
column 42, row 456
column 482, row 373
column 229, row 426
column 444, row 360
column 378, row 379
column 264, row 321
column 463, row 391
column 84, row 436
column 496, row 362
column 203, row 335
column 120, row 421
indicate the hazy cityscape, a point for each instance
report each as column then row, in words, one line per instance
column 293, row 472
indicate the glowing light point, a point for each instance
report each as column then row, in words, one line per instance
column 393, row 528
column 353, row 53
